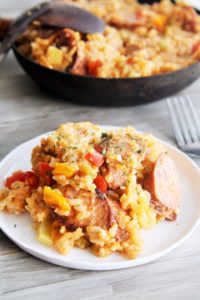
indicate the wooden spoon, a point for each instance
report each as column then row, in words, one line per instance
column 65, row 15
column 55, row 15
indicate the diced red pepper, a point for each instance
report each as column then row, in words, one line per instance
column 130, row 60
column 93, row 67
column 100, row 183
column 98, row 148
column 45, row 168
column 45, row 172
column 16, row 176
column 139, row 14
column 96, row 158
column 195, row 47
column 31, row 179
column 28, row 177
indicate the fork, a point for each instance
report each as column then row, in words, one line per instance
column 185, row 124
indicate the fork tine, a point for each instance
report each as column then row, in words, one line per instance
column 175, row 124
column 181, row 117
column 186, row 108
column 194, row 116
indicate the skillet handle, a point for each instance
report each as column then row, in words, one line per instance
column 4, row 27
column 19, row 25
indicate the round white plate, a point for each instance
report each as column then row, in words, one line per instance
column 159, row 241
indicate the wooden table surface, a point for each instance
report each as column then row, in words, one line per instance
column 25, row 112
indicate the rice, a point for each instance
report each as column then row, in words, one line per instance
column 138, row 41
column 70, row 209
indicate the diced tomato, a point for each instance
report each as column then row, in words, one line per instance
column 45, row 172
column 96, row 158
column 93, row 67
column 195, row 47
column 16, row 176
column 44, row 167
column 98, row 148
column 139, row 14
column 28, row 177
column 130, row 60
column 100, row 183
column 31, row 179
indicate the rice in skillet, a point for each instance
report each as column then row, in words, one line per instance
column 139, row 40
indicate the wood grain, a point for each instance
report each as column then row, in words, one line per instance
column 25, row 112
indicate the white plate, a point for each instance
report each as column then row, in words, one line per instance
column 157, row 242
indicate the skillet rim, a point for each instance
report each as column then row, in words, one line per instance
column 185, row 69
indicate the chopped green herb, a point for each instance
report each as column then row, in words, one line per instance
column 103, row 152
column 129, row 135
column 104, row 135
column 74, row 148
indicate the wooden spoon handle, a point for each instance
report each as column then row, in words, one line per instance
column 4, row 27
column 19, row 25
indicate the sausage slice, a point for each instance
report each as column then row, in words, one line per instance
column 104, row 213
column 163, row 185
column 101, row 215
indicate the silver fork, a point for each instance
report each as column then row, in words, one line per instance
column 185, row 124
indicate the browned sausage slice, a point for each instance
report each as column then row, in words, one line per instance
column 101, row 215
column 163, row 185
column 127, row 20
column 104, row 213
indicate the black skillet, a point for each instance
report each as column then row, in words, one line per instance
column 109, row 92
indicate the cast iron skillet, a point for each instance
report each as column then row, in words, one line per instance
column 109, row 92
